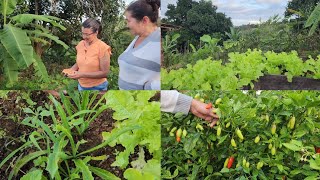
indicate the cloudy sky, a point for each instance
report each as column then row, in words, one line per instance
column 243, row 11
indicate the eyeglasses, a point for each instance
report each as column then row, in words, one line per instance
column 86, row 34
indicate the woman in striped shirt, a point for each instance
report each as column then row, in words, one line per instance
column 139, row 64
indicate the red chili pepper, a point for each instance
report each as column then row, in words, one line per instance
column 317, row 149
column 178, row 139
column 231, row 159
column 209, row 106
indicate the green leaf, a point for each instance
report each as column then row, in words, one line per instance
column 49, row 36
column 15, row 151
column 61, row 112
column 68, row 134
column 311, row 178
column 104, row 174
column 99, row 158
column 195, row 170
column 191, row 143
column 224, row 170
column 10, row 68
column 120, row 102
column 122, row 159
column 144, row 97
column 33, row 139
column 20, row 163
column 111, row 138
column 292, row 147
column 17, row 44
column 40, row 68
column 55, row 156
column 86, row 173
column 313, row 19
column 46, row 128
column 222, row 139
column 33, row 175
column 134, row 174
column 314, row 164
column 7, row 7
column 295, row 172
column 167, row 175
column 79, row 113
column 28, row 18
column 205, row 38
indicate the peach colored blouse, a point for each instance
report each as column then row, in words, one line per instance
column 88, row 60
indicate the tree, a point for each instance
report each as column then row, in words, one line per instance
column 301, row 8
column 178, row 14
column 202, row 18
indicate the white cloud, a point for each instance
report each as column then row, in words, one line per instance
column 243, row 11
column 270, row 1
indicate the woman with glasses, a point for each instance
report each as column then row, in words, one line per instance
column 139, row 64
column 93, row 59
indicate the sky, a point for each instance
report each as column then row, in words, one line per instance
column 243, row 11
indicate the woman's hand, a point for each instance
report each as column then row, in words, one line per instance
column 199, row 109
column 75, row 75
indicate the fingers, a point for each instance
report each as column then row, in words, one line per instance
column 213, row 123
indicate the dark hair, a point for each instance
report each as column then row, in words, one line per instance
column 141, row 8
column 94, row 24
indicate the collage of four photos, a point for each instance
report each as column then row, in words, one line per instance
column 160, row 89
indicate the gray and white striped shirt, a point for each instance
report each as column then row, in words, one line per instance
column 139, row 68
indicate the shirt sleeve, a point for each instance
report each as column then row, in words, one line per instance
column 104, row 48
column 173, row 101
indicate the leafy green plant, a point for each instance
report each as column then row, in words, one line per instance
column 147, row 117
column 169, row 48
column 54, row 157
column 16, row 39
column 270, row 135
column 313, row 20
column 55, row 142
column 241, row 70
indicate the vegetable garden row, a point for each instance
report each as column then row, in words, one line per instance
column 242, row 69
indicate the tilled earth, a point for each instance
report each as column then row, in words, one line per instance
column 13, row 133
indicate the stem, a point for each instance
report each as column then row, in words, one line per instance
column 4, row 11
column 111, row 138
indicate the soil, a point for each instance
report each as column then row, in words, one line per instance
column 11, row 114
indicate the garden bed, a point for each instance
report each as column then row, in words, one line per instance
column 280, row 82
column 13, row 134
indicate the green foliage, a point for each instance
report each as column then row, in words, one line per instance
column 313, row 20
column 270, row 35
column 304, row 7
column 170, row 52
column 113, row 78
column 195, row 20
column 147, row 117
column 241, row 70
column 16, row 42
column 57, row 144
column 202, row 153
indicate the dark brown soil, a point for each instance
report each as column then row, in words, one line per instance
column 11, row 114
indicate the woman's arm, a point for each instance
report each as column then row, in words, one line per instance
column 173, row 101
column 75, row 67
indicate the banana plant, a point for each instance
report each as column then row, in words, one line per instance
column 17, row 36
column 313, row 20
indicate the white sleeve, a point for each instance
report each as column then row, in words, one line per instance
column 173, row 101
